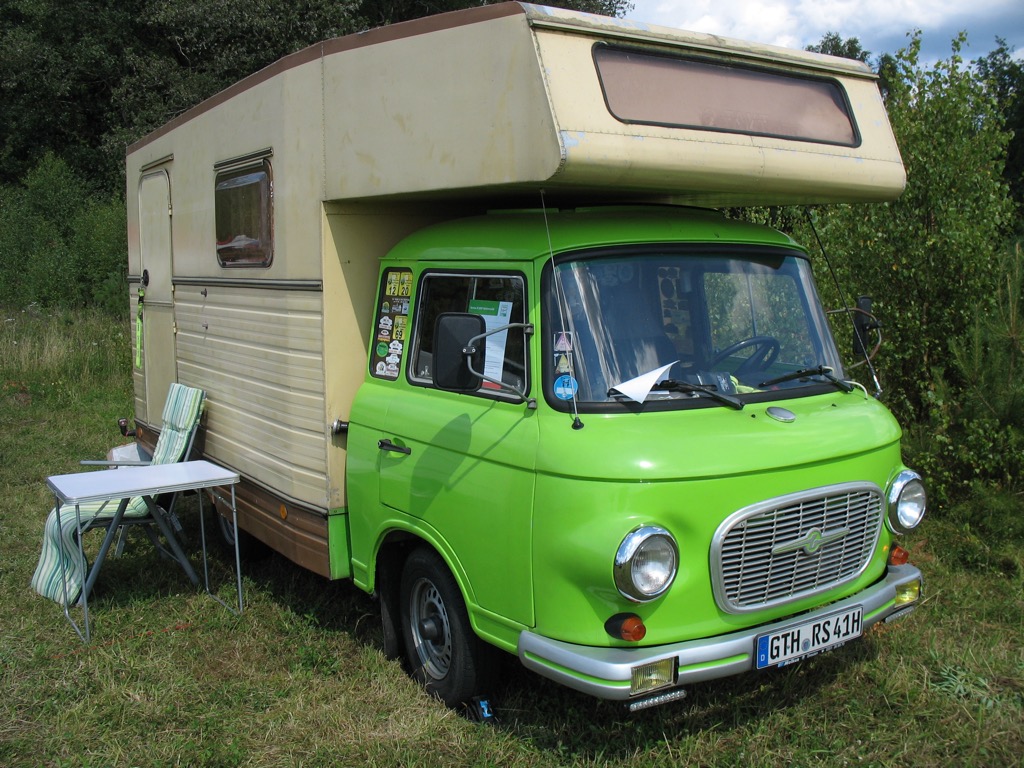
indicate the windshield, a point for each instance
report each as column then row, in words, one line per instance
column 641, row 325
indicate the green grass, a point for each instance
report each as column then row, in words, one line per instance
column 172, row 678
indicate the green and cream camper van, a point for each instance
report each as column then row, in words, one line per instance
column 475, row 337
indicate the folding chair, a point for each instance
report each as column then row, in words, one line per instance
column 63, row 573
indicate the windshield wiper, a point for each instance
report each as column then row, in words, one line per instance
column 671, row 385
column 820, row 370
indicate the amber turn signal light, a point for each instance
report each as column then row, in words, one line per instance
column 626, row 626
column 898, row 556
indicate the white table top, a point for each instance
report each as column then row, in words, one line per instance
column 126, row 482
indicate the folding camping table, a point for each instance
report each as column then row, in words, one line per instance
column 123, row 483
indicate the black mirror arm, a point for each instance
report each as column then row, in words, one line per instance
column 470, row 350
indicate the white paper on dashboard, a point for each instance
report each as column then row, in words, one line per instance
column 640, row 387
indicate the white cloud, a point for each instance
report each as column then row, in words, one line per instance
column 880, row 25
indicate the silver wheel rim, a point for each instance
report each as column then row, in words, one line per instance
column 227, row 530
column 425, row 603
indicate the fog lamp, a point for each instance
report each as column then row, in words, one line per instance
column 651, row 677
column 908, row 593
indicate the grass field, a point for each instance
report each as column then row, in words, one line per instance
column 172, row 678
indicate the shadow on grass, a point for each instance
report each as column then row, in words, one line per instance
column 332, row 606
column 578, row 727
column 141, row 574
column 568, row 727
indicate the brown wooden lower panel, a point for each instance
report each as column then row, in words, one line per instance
column 297, row 533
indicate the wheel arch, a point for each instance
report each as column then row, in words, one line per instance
column 390, row 554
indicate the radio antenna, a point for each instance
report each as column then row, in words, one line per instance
column 560, row 302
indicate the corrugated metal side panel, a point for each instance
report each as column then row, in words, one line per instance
column 258, row 355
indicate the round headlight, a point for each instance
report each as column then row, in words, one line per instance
column 646, row 563
column 907, row 502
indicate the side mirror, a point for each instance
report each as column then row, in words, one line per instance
column 455, row 359
column 863, row 323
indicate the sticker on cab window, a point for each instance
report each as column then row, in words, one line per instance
column 392, row 323
column 566, row 387
column 563, row 341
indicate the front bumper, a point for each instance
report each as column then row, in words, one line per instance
column 607, row 672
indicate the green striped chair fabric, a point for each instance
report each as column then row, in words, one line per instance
column 61, row 552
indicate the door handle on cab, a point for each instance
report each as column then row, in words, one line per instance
column 387, row 445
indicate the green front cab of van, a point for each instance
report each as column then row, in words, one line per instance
column 626, row 435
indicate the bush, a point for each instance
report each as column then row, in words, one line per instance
column 974, row 433
column 929, row 258
column 61, row 246
column 950, row 303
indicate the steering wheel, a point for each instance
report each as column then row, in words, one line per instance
column 765, row 352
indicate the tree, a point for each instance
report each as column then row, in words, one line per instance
column 191, row 49
column 834, row 45
column 1004, row 75
column 82, row 79
column 885, row 65
column 61, row 244
column 58, row 65
column 930, row 257
column 381, row 12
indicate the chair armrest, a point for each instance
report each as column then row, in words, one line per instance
column 102, row 463
column 130, row 455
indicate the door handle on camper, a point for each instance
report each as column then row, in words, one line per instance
column 387, row 445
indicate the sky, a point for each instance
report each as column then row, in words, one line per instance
column 881, row 26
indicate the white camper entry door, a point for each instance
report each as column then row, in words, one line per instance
column 158, row 353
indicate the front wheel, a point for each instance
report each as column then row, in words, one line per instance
column 445, row 655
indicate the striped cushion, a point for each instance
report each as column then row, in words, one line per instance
column 181, row 414
column 60, row 549
column 60, row 544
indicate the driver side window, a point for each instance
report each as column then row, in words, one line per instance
column 499, row 299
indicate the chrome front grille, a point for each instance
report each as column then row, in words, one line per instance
column 795, row 546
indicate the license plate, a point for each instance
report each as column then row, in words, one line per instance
column 808, row 639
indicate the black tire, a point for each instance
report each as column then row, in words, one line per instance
column 445, row 655
column 249, row 547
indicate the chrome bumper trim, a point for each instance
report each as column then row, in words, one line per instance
column 606, row 672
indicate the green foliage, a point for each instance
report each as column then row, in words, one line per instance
column 58, row 64
column 1004, row 76
column 973, row 437
column 930, row 258
column 834, row 45
column 934, row 261
column 380, row 12
column 60, row 246
column 190, row 50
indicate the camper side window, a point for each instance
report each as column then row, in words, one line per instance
column 499, row 299
column 244, row 204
